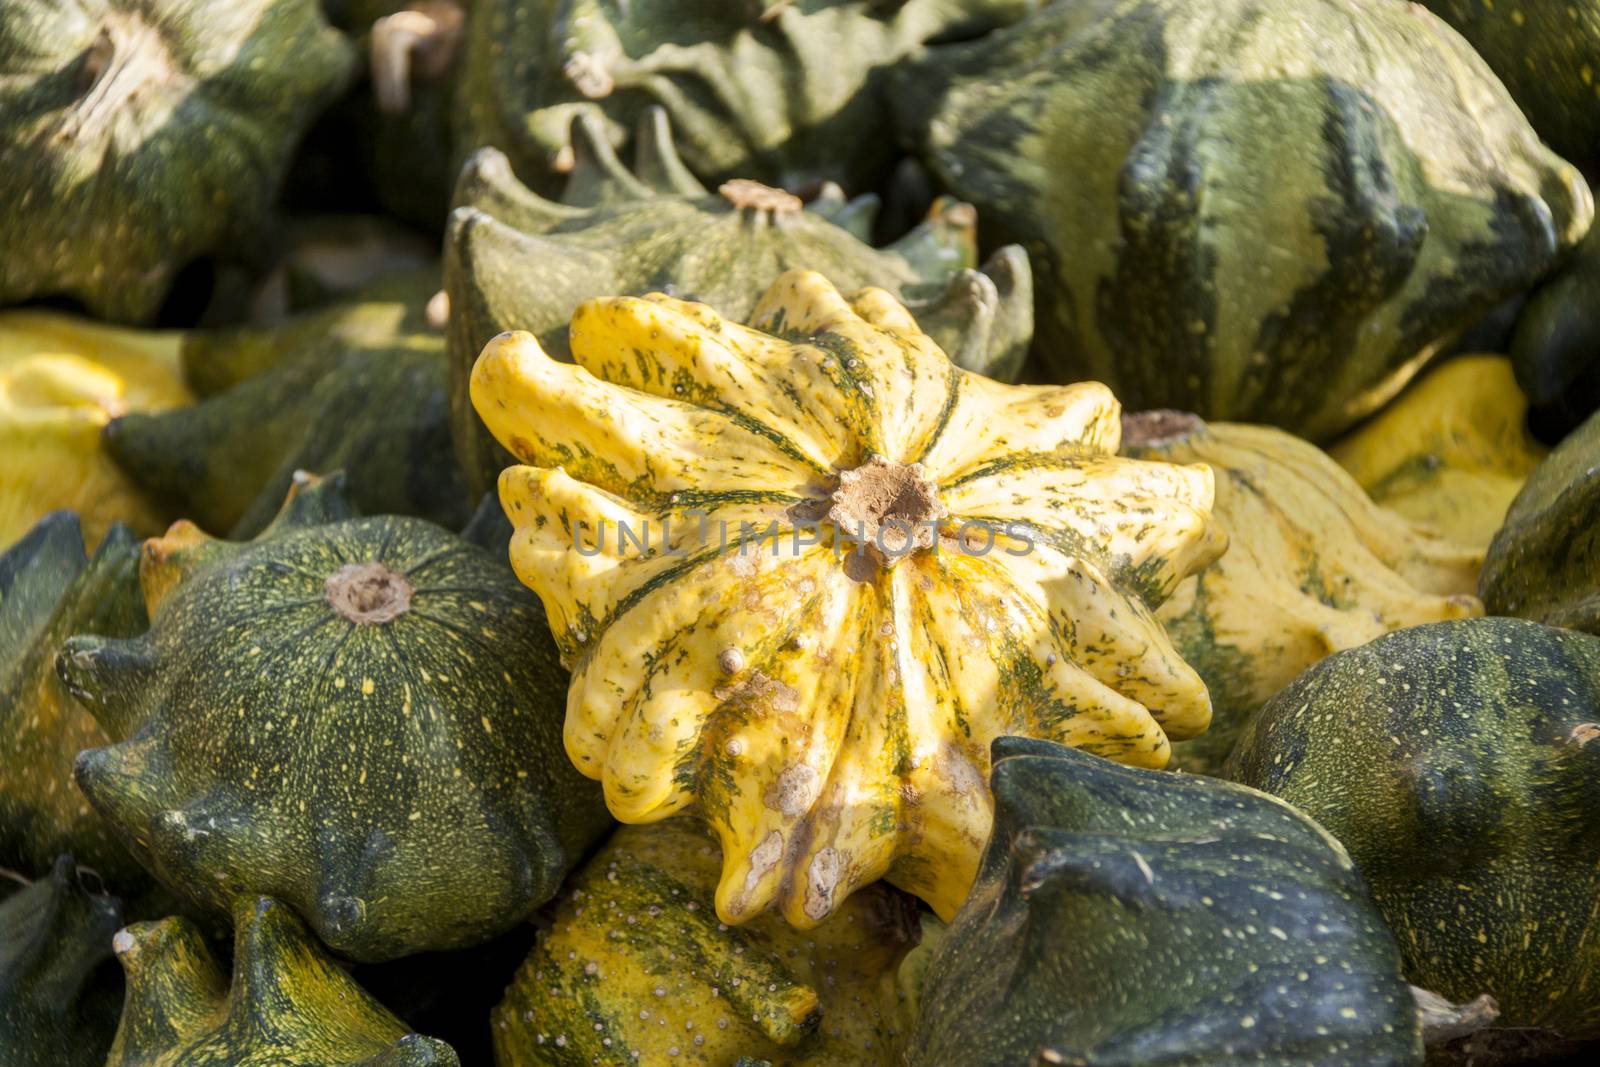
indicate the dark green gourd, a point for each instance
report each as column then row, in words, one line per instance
column 1459, row 764
column 1125, row 917
column 785, row 93
column 288, row 1003
column 359, row 387
column 49, row 590
column 1259, row 212
column 58, row 992
column 139, row 135
column 516, row 261
column 361, row 717
column 1555, row 347
column 1544, row 564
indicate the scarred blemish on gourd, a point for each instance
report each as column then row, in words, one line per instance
column 822, row 877
column 760, row 687
column 794, row 791
column 368, row 593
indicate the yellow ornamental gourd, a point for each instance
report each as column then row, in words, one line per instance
column 1313, row 567
column 61, row 380
column 848, row 566
column 1452, row 452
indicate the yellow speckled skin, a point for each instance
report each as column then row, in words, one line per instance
column 1452, row 452
column 289, row 1004
column 636, row 969
column 61, row 380
column 831, row 717
column 1313, row 566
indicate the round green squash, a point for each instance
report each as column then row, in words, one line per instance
column 1544, row 564
column 1259, row 212
column 1457, row 762
column 359, row 387
column 139, row 135
column 1548, row 54
column 516, row 261
column 1126, row 917
column 1555, row 348
column 58, row 1006
column 288, row 1004
column 635, row 969
column 360, row 717
column 49, row 590
column 786, row 93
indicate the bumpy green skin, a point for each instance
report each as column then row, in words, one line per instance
column 1229, row 213
column 1458, row 763
column 516, row 261
column 783, row 93
column 288, row 1005
column 1544, row 564
column 1127, row 917
column 49, row 591
column 1548, row 55
column 400, row 780
column 58, row 1003
column 139, row 135
column 361, row 387
column 1555, row 347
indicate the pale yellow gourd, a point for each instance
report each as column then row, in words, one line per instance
column 62, row 379
column 826, row 705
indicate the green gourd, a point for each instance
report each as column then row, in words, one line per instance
column 1258, row 212
column 785, row 93
column 516, row 261
column 360, row 717
column 1544, row 564
column 1457, row 764
column 139, row 135
column 360, row 387
column 50, row 590
column 1126, row 917
column 58, row 1006
column 1555, row 347
column 288, row 1003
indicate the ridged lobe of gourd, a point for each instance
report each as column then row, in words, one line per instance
column 830, row 716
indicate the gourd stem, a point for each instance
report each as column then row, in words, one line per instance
column 1158, row 427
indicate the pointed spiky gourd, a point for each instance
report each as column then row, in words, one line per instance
column 786, row 93
column 1128, row 917
column 287, row 1004
column 58, row 1007
column 1399, row 195
column 359, row 716
column 1452, row 452
column 1313, row 566
column 848, row 566
column 359, row 387
column 1460, row 765
column 636, row 968
column 139, row 135
column 62, row 379
column 515, row 261
column 49, row 591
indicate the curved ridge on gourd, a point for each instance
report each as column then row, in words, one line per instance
column 852, row 565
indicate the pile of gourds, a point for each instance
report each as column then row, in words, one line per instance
column 1063, row 532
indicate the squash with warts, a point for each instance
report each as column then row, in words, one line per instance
column 140, row 135
column 1313, row 566
column 1544, row 564
column 58, row 1007
column 288, row 1004
column 635, row 968
column 1263, row 212
column 516, row 261
column 359, row 387
column 62, row 379
column 360, row 717
column 1460, row 765
column 785, row 93
column 1125, row 917
column 49, row 591
column 1452, row 452
column 849, row 565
